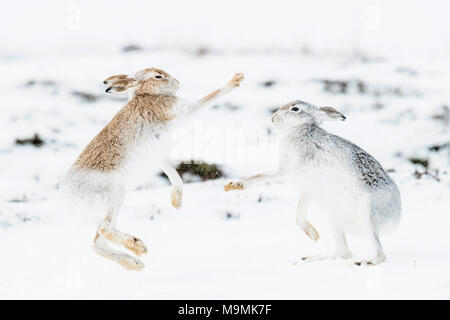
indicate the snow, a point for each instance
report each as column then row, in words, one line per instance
column 224, row 245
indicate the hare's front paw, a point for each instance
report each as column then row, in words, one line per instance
column 176, row 197
column 234, row 186
column 236, row 81
column 310, row 231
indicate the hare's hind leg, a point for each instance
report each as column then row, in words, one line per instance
column 107, row 231
column 379, row 258
column 341, row 248
column 108, row 227
column 372, row 231
column 127, row 261
column 117, row 237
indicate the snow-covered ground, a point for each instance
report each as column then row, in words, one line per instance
column 394, row 60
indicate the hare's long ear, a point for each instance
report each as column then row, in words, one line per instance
column 112, row 79
column 120, row 84
column 328, row 113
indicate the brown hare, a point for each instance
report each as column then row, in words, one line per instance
column 135, row 142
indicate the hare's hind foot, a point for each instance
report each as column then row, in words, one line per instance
column 379, row 258
column 370, row 262
column 132, row 264
column 136, row 246
column 130, row 242
column 320, row 257
column 316, row 258
column 125, row 260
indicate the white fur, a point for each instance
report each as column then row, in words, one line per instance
column 352, row 190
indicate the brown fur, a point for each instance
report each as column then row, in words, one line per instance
column 152, row 85
column 122, row 85
column 233, row 186
column 211, row 96
column 115, row 78
column 128, row 241
column 108, row 149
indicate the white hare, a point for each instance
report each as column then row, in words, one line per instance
column 347, row 183
column 133, row 144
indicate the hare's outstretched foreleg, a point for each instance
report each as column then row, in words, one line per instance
column 117, row 237
column 302, row 222
column 233, row 83
column 127, row 261
column 177, row 193
column 240, row 185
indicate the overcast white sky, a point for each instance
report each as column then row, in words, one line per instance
column 381, row 27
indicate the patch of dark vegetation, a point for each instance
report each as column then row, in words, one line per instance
column 231, row 216
column 226, row 106
column 19, row 200
column 443, row 115
column 43, row 83
column 268, row 83
column 355, row 86
column 420, row 161
column 24, row 217
column 5, row 224
column 154, row 212
column 131, row 48
column 378, row 106
column 203, row 170
column 202, row 51
column 363, row 57
column 407, row 71
column 439, row 147
column 86, row 97
column 343, row 86
column 425, row 171
column 262, row 198
column 35, row 141
column 432, row 173
column 20, row 217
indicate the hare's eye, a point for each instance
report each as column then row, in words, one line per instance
column 158, row 77
column 295, row 109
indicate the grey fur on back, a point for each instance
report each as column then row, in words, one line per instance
column 314, row 141
column 317, row 148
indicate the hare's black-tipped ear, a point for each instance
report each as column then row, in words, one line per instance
column 332, row 114
column 120, row 85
